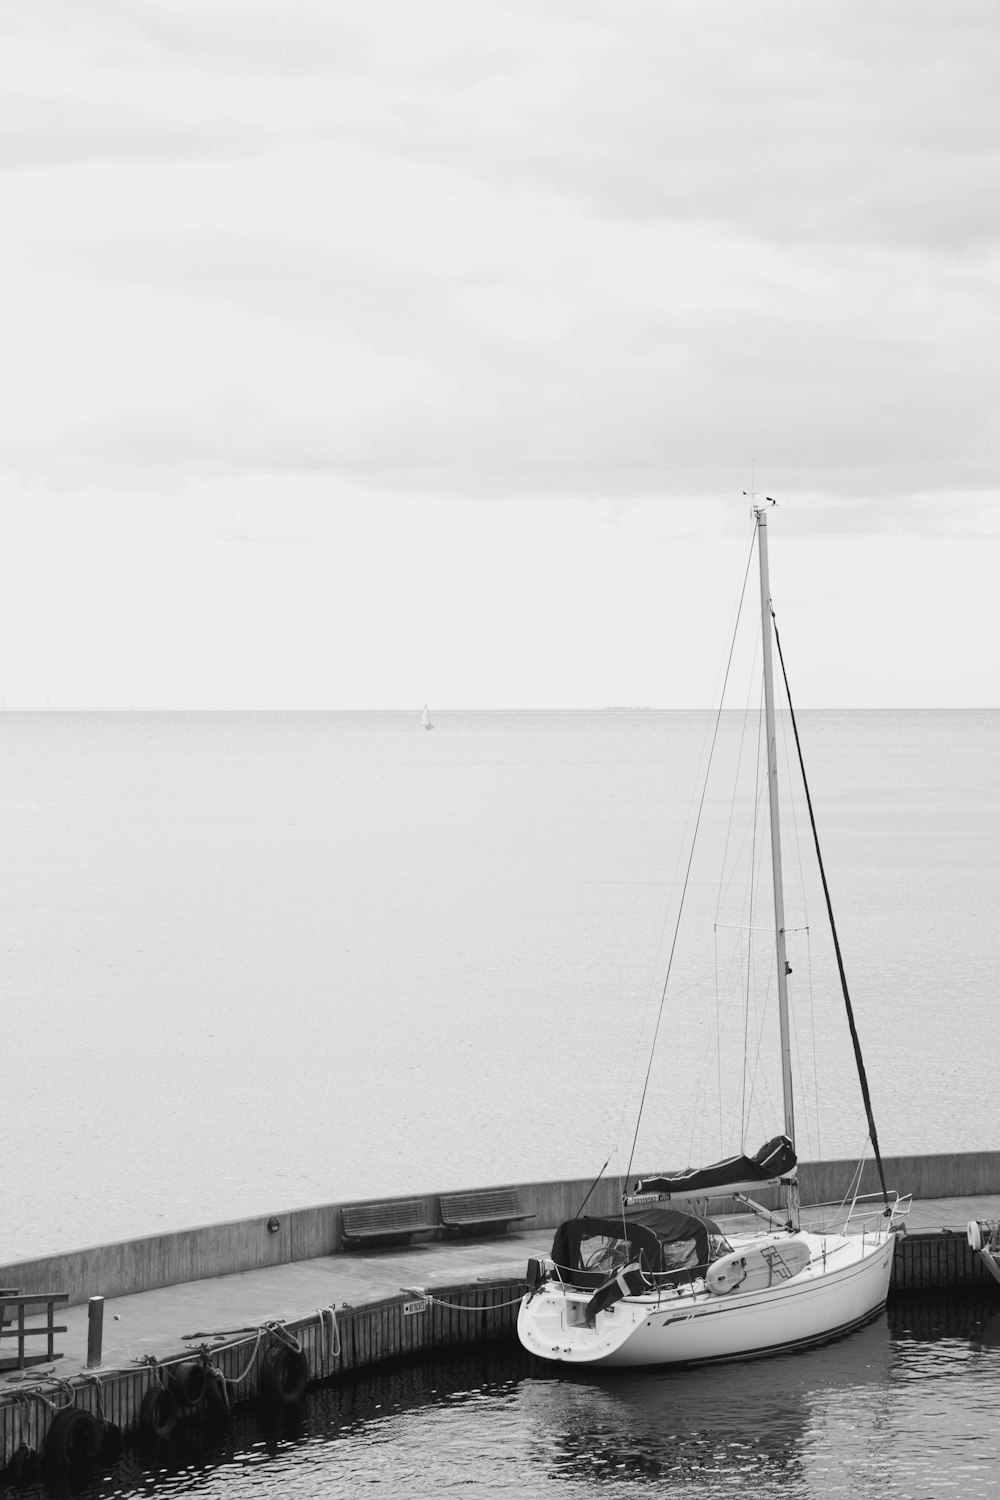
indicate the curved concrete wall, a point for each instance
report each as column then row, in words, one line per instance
column 118, row 1270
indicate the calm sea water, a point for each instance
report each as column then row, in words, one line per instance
column 905, row 1409
column 253, row 962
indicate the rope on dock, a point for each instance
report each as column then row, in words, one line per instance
column 95, row 1380
column 418, row 1291
column 277, row 1330
column 34, row 1385
column 219, row 1333
column 24, row 1385
column 239, row 1379
column 284, row 1335
column 331, row 1340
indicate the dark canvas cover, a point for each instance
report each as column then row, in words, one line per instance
column 648, row 1230
column 774, row 1159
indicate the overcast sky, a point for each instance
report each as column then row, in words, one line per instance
column 361, row 352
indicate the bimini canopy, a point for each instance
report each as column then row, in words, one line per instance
column 658, row 1239
column 776, row 1158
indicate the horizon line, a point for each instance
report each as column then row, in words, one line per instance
column 416, row 710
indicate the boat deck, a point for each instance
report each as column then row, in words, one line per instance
column 161, row 1323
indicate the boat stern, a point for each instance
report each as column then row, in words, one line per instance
column 552, row 1323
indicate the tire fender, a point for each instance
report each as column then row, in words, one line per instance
column 74, row 1441
column 188, row 1382
column 158, row 1412
column 284, row 1374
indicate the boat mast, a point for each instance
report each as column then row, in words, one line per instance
column 772, row 786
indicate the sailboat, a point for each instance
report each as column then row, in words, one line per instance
column 692, row 1269
column 425, row 718
column 984, row 1239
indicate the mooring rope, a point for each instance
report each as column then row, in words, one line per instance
column 95, row 1380
column 331, row 1341
column 35, row 1388
column 239, row 1379
column 418, row 1292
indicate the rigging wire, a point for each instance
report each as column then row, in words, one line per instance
column 739, row 952
column 726, row 880
column 833, row 928
column 753, row 1059
column 704, row 761
column 811, row 1121
column 759, row 1072
column 815, row 1151
column 812, row 1018
column 687, row 872
column 750, row 948
column 590, row 1190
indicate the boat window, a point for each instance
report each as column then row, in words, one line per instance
column 679, row 1254
column 600, row 1253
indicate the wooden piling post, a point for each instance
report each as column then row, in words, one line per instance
column 95, row 1332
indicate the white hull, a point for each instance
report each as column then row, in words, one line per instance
column 990, row 1262
column 984, row 1238
column 845, row 1284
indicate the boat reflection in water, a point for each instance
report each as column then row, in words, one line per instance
column 703, row 1427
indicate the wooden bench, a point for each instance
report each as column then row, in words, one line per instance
column 483, row 1209
column 394, row 1220
column 12, row 1302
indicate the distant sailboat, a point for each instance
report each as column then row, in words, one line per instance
column 425, row 718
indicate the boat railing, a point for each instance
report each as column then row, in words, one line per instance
column 984, row 1235
column 867, row 1214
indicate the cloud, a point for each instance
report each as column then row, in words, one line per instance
column 854, row 125
column 507, row 249
column 171, row 82
column 36, row 133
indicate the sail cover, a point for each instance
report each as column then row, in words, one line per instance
column 588, row 1250
column 776, row 1158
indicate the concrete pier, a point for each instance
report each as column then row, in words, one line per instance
column 305, row 1234
column 345, row 1311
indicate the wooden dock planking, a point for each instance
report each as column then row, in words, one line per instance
column 369, row 1334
